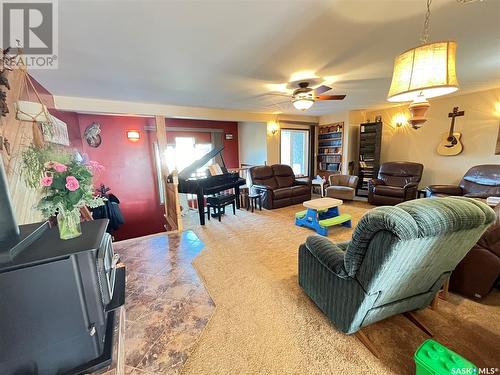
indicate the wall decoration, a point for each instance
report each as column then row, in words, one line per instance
column 56, row 131
column 450, row 145
column 92, row 135
column 497, row 151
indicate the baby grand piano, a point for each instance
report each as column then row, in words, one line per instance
column 208, row 185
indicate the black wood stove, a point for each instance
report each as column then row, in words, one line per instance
column 57, row 298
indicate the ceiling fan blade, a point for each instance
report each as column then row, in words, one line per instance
column 321, row 89
column 330, row 97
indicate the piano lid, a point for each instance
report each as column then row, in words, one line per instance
column 190, row 169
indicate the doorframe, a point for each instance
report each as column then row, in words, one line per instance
column 311, row 133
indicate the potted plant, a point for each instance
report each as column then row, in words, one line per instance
column 66, row 186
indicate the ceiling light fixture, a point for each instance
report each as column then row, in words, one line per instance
column 302, row 103
column 424, row 72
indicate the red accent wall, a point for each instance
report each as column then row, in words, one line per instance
column 129, row 172
column 231, row 157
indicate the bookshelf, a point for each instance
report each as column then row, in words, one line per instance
column 330, row 147
column 370, row 140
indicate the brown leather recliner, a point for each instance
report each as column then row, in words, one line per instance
column 479, row 271
column 397, row 182
column 278, row 186
column 342, row 186
column 481, row 181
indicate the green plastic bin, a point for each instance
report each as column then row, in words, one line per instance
column 432, row 358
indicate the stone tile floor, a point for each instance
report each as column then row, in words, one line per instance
column 166, row 305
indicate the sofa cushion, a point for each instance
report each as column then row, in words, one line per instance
column 391, row 191
column 284, row 175
column 263, row 175
column 300, row 190
column 282, row 193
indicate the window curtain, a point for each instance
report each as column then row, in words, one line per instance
column 217, row 142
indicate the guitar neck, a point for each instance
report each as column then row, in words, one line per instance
column 452, row 127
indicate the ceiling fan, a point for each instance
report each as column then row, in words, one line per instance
column 304, row 96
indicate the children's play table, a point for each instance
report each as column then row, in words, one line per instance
column 321, row 214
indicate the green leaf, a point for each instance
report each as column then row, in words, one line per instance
column 75, row 196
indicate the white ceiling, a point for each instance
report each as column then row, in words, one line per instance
column 221, row 54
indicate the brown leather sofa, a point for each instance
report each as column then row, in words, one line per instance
column 481, row 181
column 278, row 186
column 397, row 182
column 479, row 271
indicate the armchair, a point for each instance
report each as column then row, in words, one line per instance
column 397, row 260
column 278, row 186
column 397, row 182
column 481, row 181
column 342, row 186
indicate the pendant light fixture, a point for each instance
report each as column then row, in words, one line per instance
column 424, row 72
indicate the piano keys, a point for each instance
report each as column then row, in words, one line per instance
column 208, row 185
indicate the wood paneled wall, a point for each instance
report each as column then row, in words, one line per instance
column 20, row 136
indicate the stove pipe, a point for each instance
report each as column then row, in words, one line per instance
column 8, row 226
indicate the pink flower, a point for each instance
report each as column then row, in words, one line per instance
column 46, row 181
column 60, row 167
column 72, row 183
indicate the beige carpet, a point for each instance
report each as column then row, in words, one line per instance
column 265, row 324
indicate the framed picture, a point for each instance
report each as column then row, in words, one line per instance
column 56, row 131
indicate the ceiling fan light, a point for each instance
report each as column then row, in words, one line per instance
column 427, row 70
column 303, row 104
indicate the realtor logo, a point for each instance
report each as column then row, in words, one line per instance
column 31, row 26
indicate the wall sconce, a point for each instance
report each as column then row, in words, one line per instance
column 497, row 109
column 273, row 127
column 400, row 120
column 133, row 135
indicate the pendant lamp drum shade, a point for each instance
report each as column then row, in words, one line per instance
column 427, row 70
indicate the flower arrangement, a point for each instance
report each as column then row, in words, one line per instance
column 66, row 186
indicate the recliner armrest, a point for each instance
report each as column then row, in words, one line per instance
column 376, row 181
column 302, row 182
column 261, row 187
column 443, row 189
column 328, row 254
column 410, row 185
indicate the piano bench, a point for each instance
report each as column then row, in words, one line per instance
column 219, row 202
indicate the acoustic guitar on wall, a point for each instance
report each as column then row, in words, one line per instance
column 450, row 145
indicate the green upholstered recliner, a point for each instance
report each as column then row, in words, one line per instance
column 397, row 260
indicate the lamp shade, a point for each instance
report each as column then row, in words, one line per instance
column 303, row 104
column 427, row 70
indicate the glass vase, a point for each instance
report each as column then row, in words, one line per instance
column 68, row 223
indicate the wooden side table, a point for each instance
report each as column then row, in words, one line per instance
column 254, row 199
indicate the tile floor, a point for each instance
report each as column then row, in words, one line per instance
column 166, row 306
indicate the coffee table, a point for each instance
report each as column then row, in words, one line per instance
column 321, row 214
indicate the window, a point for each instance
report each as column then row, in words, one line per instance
column 295, row 150
column 186, row 151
